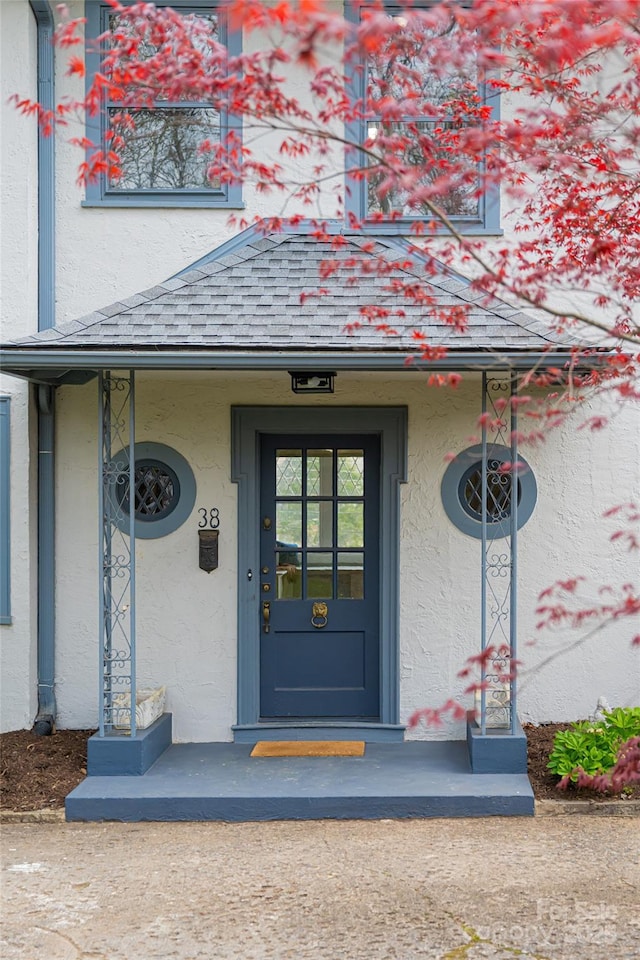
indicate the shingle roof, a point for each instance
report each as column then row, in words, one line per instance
column 252, row 298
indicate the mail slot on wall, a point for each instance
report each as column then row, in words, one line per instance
column 208, row 549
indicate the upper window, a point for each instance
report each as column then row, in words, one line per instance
column 435, row 102
column 158, row 146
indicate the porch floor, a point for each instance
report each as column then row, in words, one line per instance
column 220, row 781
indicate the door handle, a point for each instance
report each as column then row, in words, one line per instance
column 266, row 615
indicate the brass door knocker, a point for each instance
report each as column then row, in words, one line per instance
column 320, row 615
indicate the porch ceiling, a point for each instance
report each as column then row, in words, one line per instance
column 250, row 304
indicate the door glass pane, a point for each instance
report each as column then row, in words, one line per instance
column 289, row 524
column 288, row 575
column 351, row 524
column 320, row 473
column 350, row 576
column 288, row 473
column 320, row 576
column 350, row 473
column 320, row 524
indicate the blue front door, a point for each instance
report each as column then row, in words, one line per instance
column 319, row 577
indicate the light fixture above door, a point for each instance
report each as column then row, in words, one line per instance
column 312, row 382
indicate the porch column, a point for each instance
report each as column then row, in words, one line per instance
column 499, row 553
column 116, row 561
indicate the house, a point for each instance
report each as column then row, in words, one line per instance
column 302, row 563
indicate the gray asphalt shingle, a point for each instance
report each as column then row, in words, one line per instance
column 264, row 294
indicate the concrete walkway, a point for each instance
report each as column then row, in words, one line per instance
column 491, row 889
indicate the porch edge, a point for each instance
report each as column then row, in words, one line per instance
column 341, row 730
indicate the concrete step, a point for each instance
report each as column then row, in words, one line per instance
column 220, row 781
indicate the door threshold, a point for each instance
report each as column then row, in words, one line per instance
column 319, row 730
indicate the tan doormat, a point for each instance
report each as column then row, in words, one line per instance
column 308, row 748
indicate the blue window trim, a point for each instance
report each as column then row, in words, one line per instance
column 152, row 529
column 97, row 193
column 488, row 224
column 5, row 507
column 460, row 515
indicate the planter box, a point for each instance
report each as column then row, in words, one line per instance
column 149, row 706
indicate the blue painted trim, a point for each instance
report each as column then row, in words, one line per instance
column 133, row 525
column 29, row 362
column 513, row 583
column 46, row 554
column 5, row 510
column 496, row 751
column 46, row 168
column 104, row 550
column 247, row 423
column 46, row 715
column 483, row 561
column 486, row 224
column 98, row 194
column 343, row 730
column 117, row 754
column 450, row 485
column 183, row 201
column 151, row 530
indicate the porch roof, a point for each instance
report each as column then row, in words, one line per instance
column 253, row 302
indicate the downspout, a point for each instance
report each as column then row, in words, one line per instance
column 44, row 722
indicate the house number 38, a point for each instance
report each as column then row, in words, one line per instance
column 209, row 518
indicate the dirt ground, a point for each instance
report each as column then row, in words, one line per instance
column 37, row 773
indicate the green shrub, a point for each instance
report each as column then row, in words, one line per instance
column 593, row 747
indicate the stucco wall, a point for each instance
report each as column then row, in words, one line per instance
column 18, row 316
column 187, row 618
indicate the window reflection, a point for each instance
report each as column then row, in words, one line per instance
column 320, row 576
column 351, row 524
column 288, row 574
column 288, row 473
column 289, row 522
column 350, row 473
column 320, row 524
column 351, row 576
column 320, row 473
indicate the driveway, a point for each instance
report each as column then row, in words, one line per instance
column 558, row 888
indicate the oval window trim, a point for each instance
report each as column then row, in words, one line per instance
column 452, row 493
column 159, row 454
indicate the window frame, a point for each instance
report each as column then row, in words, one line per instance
column 488, row 221
column 98, row 193
column 458, row 513
column 155, row 526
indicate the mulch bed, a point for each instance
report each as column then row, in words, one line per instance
column 37, row 773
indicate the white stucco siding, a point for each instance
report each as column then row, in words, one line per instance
column 18, row 317
column 18, row 163
column 581, row 474
column 187, row 618
column 106, row 253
